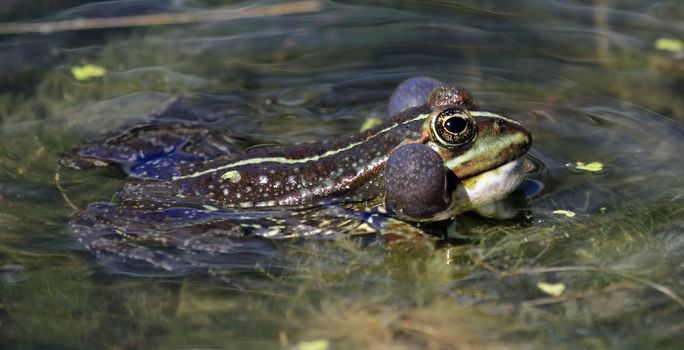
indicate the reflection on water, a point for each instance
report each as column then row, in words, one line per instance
column 586, row 80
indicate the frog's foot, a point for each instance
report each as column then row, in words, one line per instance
column 398, row 234
column 415, row 182
column 167, row 144
column 354, row 220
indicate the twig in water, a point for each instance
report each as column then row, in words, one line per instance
column 214, row 15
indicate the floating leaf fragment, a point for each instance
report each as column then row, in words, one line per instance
column 568, row 213
column 667, row 44
column 603, row 210
column 233, row 176
column 553, row 289
column 88, row 71
column 318, row 344
column 592, row 167
column 370, row 123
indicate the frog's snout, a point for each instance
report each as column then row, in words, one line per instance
column 517, row 135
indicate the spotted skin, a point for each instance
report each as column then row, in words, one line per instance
column 323, row 171
column 301, row 174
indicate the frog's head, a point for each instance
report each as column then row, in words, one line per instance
column 483, row 149
column 472, row 142
column 464, row 158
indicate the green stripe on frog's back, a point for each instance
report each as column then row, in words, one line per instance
column 477, row 112
column 303, row 173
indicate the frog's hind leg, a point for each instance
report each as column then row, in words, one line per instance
column 114, row 248
column 162, row 146
column 171, row 241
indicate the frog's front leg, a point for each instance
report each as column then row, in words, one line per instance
column 415, row 182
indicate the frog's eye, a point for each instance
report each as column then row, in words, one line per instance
column 452, row 127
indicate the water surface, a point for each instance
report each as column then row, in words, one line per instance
column 589, row 80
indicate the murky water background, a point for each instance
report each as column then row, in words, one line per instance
column 587, row 78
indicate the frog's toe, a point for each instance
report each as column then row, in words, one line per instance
column 411, row 93
column 415, row 182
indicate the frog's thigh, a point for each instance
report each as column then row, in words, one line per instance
column 415, row 182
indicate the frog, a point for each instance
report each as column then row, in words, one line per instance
column 189, row 191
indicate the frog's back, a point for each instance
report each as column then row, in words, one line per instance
column 303, row 173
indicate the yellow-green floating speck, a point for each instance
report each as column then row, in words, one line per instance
column 593, row 167
column 370, row 123
column 667, row 44
column 318, row 344
column 567, row 213
column 233, row 176
column 553, row 289
column 88, row 71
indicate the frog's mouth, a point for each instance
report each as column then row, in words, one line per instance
column 491, row 185
column 483, row 188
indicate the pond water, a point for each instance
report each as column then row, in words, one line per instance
column 596, row 260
